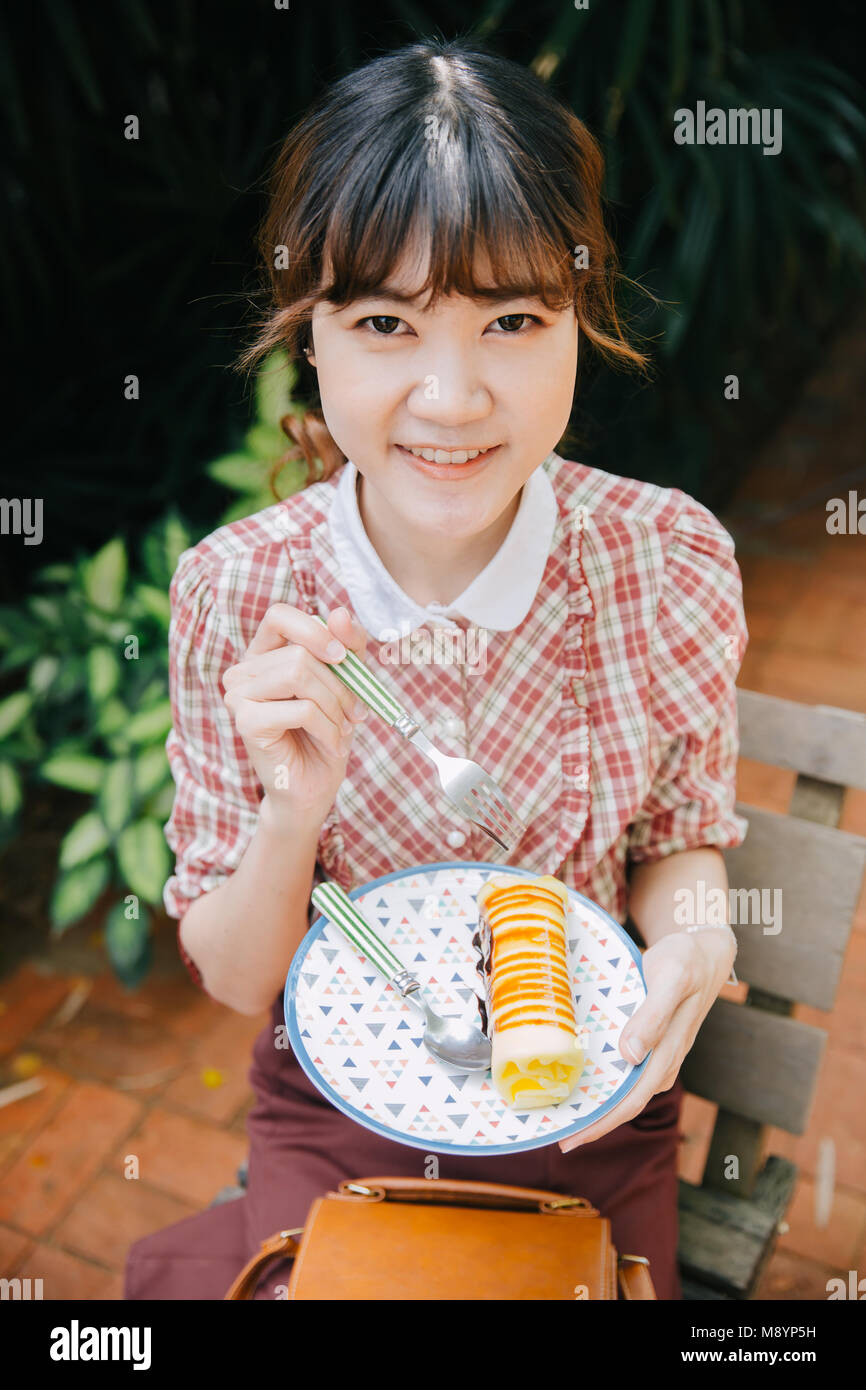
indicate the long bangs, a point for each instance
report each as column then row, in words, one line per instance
column 452, row 159
column 457, row 210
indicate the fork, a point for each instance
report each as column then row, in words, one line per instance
column 466, row 785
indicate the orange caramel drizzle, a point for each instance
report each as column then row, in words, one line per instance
column 529, row 977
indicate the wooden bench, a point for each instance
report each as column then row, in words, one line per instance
column 757, row 1063
column 753, row 1060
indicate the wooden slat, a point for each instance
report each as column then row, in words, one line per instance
column 757, row 1065
column 819, row 871
column 820, row 740
column 817, row 801
column 725, row 1241
column 743, row 1139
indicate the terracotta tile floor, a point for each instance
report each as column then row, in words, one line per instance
column 161, row 1074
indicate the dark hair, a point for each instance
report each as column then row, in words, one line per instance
column 467, row 150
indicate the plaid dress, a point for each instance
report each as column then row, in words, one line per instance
column 608, row 717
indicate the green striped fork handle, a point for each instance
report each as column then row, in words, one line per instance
column 361, row 681
column 338, row 907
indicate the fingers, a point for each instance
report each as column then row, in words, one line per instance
column 288, row 658
column 669, row 984
column 262, row 723
column 660, row 1073
column 287, row 673
column 348, row 630
column 284, row 623
column 654, row 1079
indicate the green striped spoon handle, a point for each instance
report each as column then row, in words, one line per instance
column 338, row 907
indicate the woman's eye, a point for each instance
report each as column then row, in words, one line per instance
column 512, row 323
column 383, row 324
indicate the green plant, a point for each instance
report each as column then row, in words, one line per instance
column 93, row 716
column 248, row 470
column 751, row 256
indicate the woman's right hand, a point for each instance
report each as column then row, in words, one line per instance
column 296, row 717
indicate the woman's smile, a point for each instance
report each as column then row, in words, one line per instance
column 444, row 463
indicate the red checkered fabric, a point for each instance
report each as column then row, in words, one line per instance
column 608, row 716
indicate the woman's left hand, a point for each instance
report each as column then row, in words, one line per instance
column 684, row 973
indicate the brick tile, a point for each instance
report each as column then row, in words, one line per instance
column 64, row 1275
column 183, row 1156
column 762, row 621
column 846, row 1023
column 101, row 1045
column 835, row 1244
column 801, row 535
column 14, row 1247
column 853, row 817
column 790, row 1278
column 175, row 1006
column 751, row 674
column 239, row 1123
column 27, row 998
column 820, row 622
column 839, row 570
column 67, row 1151
column 112, row 1213
column 760, row 784
column 811, row 679
column 697, row 1119
column 113, row 1290
column 773, row 580
column 224, row 1054
column 838, row 1114
column 23, row 1118
column 860, row 910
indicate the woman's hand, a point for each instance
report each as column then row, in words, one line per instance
column 296, row 718
column 684, row 973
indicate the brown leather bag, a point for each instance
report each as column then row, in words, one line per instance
column 398, row 1238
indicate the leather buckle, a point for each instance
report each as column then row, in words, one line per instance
column 359, row 1191
column 553, row 1204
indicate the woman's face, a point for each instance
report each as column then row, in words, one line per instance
column 395, row 377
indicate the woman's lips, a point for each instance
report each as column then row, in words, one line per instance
column 448, row 470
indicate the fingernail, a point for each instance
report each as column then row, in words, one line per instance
column 636, row 1049
column 359, row 709
column 335, row 651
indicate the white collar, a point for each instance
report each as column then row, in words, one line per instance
column 498, row 598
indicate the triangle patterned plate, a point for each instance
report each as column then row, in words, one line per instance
column 360, row 1042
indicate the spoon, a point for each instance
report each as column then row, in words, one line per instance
column 460, row 1044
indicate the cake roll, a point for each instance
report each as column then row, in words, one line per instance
column 531, row 1023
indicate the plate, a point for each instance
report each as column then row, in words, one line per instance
column 361, row 1043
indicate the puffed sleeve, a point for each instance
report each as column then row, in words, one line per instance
column 697, row 648
column 217, row 795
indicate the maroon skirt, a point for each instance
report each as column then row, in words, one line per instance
column 301, row 1147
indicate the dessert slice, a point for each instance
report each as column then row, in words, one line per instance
column 522, row 936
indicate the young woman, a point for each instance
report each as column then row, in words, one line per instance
column 437, row 254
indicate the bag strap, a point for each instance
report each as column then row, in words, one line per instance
column 635, row 1279
column 459, row 1192
column 283, row 1244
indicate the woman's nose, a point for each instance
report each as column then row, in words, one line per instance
column 450, row 395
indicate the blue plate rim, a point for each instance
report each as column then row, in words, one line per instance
column 437, row 1146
